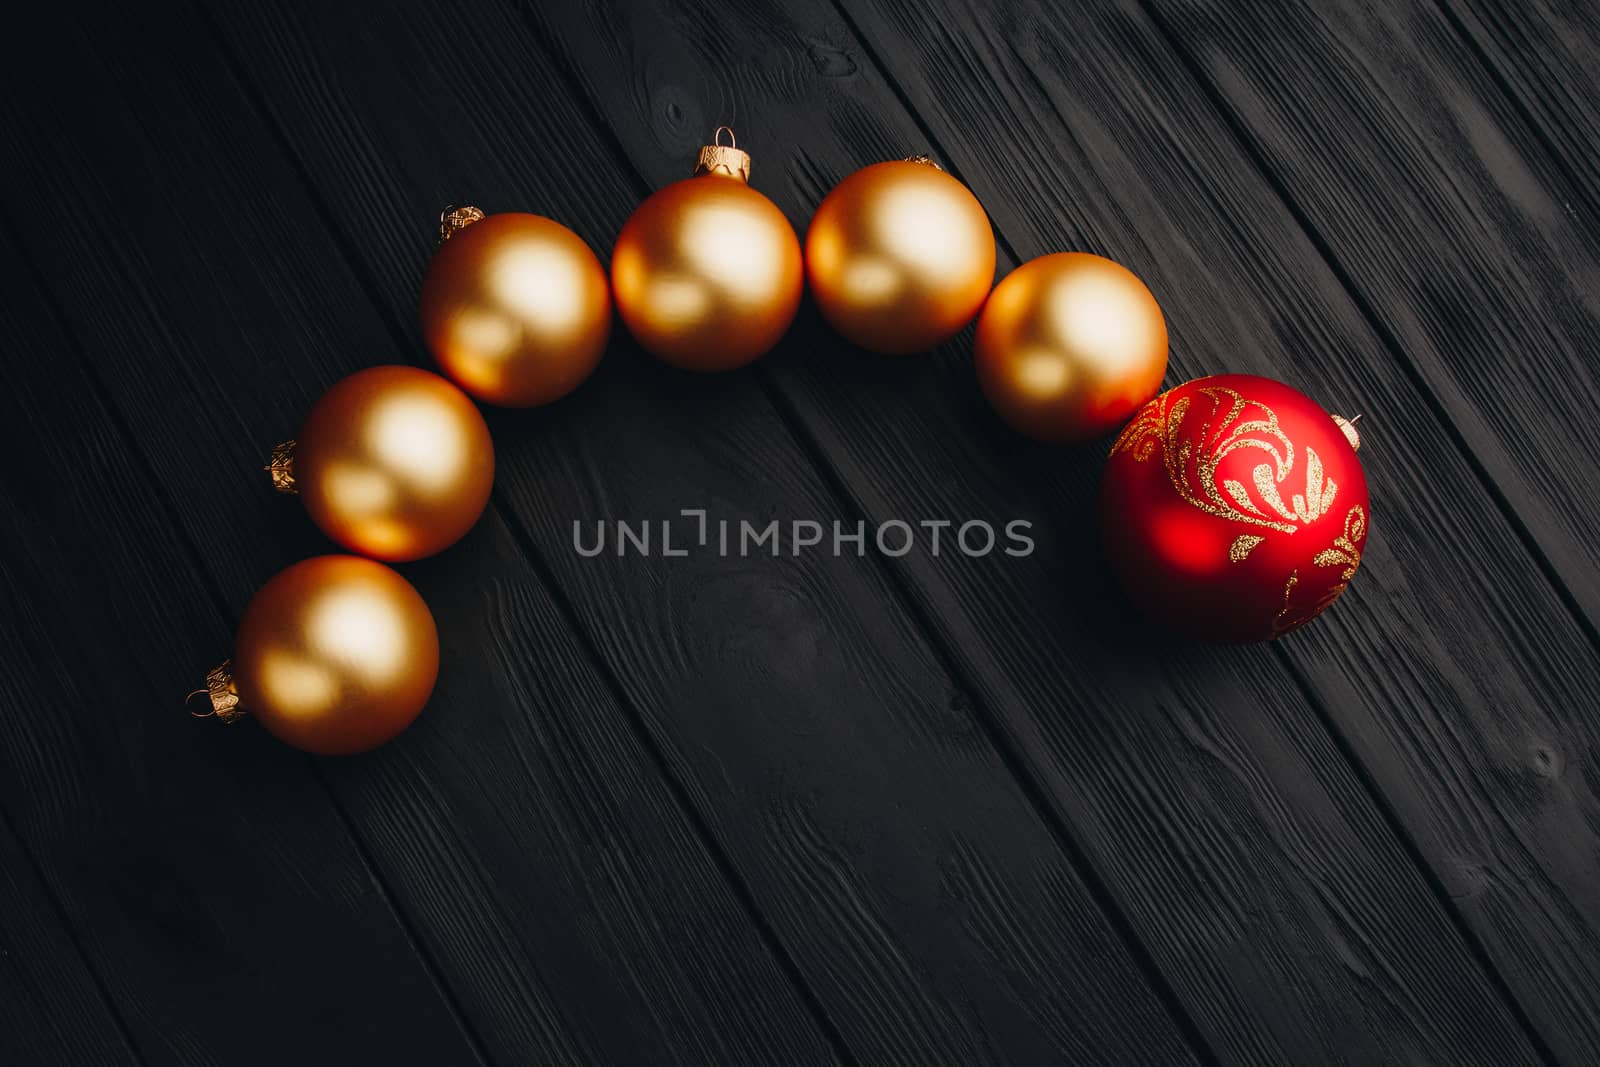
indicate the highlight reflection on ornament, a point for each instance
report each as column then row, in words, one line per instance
column 706, row 272
column 392, row 462
column 1069, row 345
column 515, row 307
column 1234, row 508
column 334, row 655
column 900, row 256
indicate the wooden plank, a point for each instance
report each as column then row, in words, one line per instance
column 1544, row 54
column 928, row 906
column 210, row 882
column 939, row 919
column 1451, row 222
column 1462, row 699
column 522, row 827
column 835, row 127
column 1181, row 770
column 51, row 1011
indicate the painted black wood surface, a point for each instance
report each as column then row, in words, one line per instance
column 804, row 809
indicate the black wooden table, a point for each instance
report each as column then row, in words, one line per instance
column 805, row 809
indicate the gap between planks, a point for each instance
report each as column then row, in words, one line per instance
column 1368, row 783
column 564, row 607
column 214, row 594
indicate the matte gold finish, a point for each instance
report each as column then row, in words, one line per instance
column 900, row 256
column 335, row 655
column 516, row 309
column 707, row 273
column 1069, row 345
column 394, row 462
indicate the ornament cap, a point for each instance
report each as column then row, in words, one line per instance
column 280, row 465
column 454, row 219
column 724, row 160
column 220, row 691
column 1349, row 428
column 924, row 159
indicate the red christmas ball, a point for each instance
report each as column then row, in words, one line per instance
column 1234, row 508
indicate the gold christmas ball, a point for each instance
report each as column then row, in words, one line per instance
column 515, row 307
column 900, row 256
column 334, row 655
column 1069, row 345
column 392, row 462
column 707, row 272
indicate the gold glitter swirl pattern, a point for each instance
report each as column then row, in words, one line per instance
column 1318, row 496
column 1242, row 546
column 1346, row 548
column 1346, row 552
column 1308, row 613
column 1282, row 624
column 1144, row 434
column 1193, row 470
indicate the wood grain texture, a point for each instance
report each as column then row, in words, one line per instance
column 929, row 908
column 521, row 826
column 1452, row 225
column 51, row 1010
column 873, row 826
column 1451, row 222
column 777, row 810
column 1543, row 54
column 1464, row 701
column 209, row 881
column 1117, row 758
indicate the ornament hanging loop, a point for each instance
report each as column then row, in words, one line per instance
column 723, row 160
column 1348, row 427
column 223, row 696
column 454, row 219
